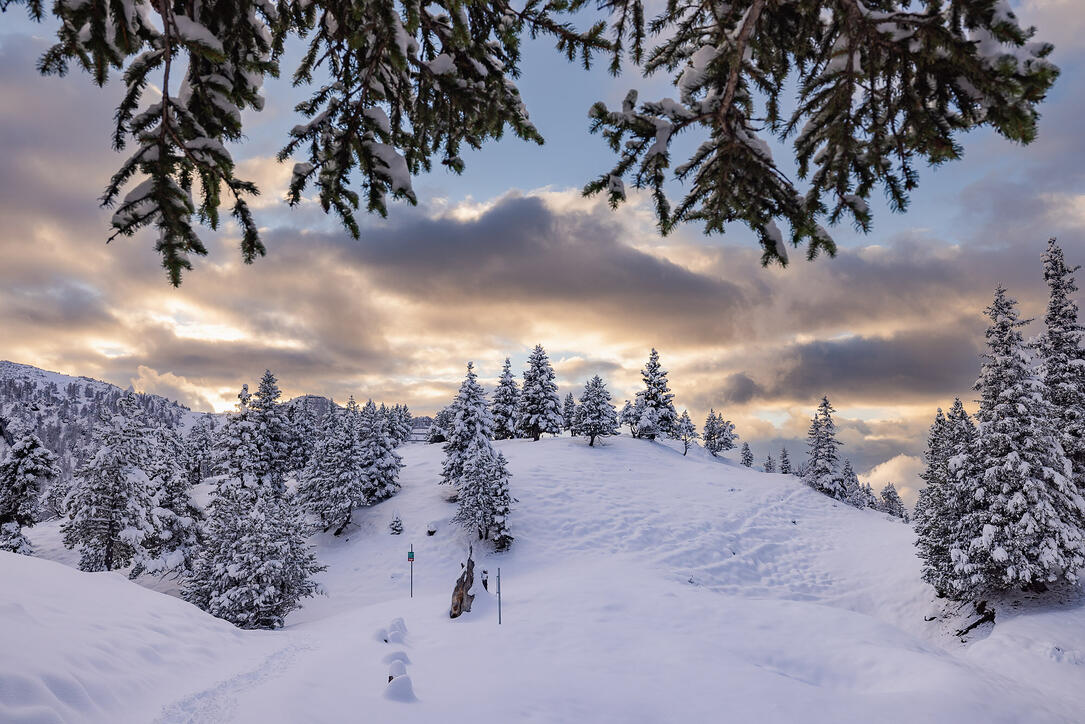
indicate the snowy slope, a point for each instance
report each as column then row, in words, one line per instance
column 643, row 586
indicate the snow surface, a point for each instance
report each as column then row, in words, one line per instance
column 643, row 586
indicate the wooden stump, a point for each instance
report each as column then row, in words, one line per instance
column 461, row 599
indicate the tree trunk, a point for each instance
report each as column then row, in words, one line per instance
column 591, row 441
column 344, row 524
column 461, row 599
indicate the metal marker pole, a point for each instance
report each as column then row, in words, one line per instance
column 498, row 596
column 412, row 570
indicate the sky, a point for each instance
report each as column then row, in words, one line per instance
column 509, row 254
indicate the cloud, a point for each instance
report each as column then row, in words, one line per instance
column 903, row 471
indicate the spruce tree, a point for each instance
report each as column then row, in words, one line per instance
column 568, row 415
column 785, row 462
column 747, row 455
column 629, row 416
column 401, row 422
column 471, row 422
column 272, row 434
column 200, row 449
column 1062, row 359
column 821, row 472
column 441, row 425
column 506, row 405
column 380, row 463
column 175, row 538
column 892, row 504
column 540, row 406
column 26, row 471
column 855, row 493
column 109, row 506
column 484, row 499
column 336, row 481
column 710, row 433
column 237, row 453
column 595, row 415
column 770, row 464
column 685, row 431
column 934, row 508
column 301, row 437
column 256, row 565
column 1021, row 520
column 657, row 397
column 395, row 526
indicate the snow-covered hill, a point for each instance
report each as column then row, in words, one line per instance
column 643, row 586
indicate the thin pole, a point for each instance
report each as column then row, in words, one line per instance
column 412, row 570
column 498, row 596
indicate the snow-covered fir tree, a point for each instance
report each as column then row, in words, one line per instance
column 568, row 414
column 540, row 406
column 395, row 526
column 27, row 470
column 892, row 504
column 301, row 425
column 200, row 449
column 852, row 488
column 484, row 498
column 785, row 462
column 1022, row 515
column 172, row 545
column 933, row 526
column 256, row 564
column 272, row 434
column 657, row 397
column 629, row 416
column 723, row 435
column 237, row 452
column 380, row 462
column 822, row 468
column 685, row 431
column 747, row 455
column 710, row 432
column 442, row 423
column 595, row 415
column 335, row 481
column 506, row 404
column 471, row 423
column 400, row 422
column 109, row 505
column 770, row 464
column 1062, row 359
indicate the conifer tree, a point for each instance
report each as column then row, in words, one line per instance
column 685, row 431
column 175, row 521
column 710, row 433
column 272, row 435
column 27, row 469
column 336, row 481
column 770, row 464
column 1021, row 523
column 933, row 509
column 200, row 449
column 540, row 406
column 785, row 462
column 595, row 415
column 1062, row 359
column 109, row 506
column 237, row 453
column 256, row 565
column 401, row 424
column 471, row 422
column 725, row 436
column 630, row 416
column 380, row 463
column 569, row 413
column 442, row 423
column 892, row 504
column 657, row 397
column 506, row 405
column 747, row 455
column 395, row 527
column 302, row 433
column 855, row 493
column 484, row 499
column 821, row 472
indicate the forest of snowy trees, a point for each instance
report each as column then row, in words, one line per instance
column 1002, row 507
